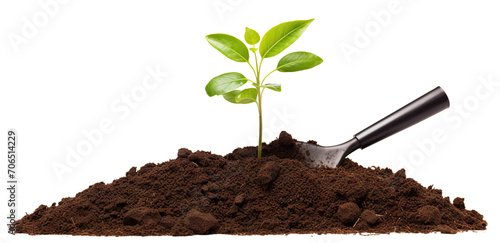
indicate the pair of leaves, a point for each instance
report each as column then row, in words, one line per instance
column 273, row 43
column 248, row 96
column 226, row 85
column 245, row 96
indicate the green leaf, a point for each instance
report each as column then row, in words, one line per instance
column 297, row 61
column 282, row 36
column 253, row 49
column 231, row 97
column 275, row 87
column 224, row 83
column 247, row 96
column 251, row 36
column 230, row 46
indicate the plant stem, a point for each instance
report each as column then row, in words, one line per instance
column 259, row 104
column 256, row 66
column 268, row 75
column 254, row 73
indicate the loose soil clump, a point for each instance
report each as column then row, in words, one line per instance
column 204, row 193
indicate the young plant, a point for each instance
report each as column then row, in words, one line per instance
column 273, row 43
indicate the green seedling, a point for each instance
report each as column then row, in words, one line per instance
column 273, row 43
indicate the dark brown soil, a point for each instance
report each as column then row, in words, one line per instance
column 204, row 193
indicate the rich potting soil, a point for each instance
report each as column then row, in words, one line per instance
column 204, row 193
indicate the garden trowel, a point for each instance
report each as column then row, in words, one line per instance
column 416, row 111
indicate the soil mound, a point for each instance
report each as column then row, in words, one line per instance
column 204, row 193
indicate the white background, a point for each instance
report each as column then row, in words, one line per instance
column 64, row 78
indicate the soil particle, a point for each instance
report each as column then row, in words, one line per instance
column 268, row 173
column 459, row 203
column 428, row 215
column 369, row 217
column 183, row 153
column 445, row 229
column 201, row 223
column 348, row 213
column 238, row 200
column 286, row 140
column 203, row 193
column 132, row 172
column 141, row 216
column 167, row 222
column 400, row 174
column 195, row 157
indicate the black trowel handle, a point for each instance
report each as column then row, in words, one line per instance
column 416, row 111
